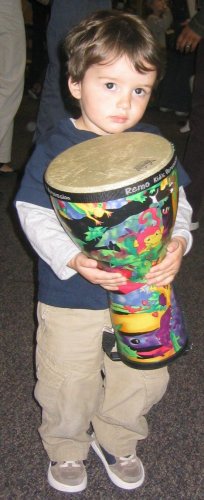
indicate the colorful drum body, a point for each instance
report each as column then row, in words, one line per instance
column 116, row 196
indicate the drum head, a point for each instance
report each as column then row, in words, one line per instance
column 109, row 162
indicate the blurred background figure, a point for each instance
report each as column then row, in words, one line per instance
column 118, row 5
column 186, row 127
column 159, row 19
column 54, row 102
column 12, row 71
column 132, row 6
column 175, row 90
column 39, row 60
column 191, row 37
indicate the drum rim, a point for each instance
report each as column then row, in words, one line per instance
column 56, row 185
column 119, row 191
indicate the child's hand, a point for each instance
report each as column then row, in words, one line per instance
column 165, row 272
column 88, row 268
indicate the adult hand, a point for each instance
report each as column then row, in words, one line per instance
column 88, row 268
column 188, row 40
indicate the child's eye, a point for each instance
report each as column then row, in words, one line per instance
column 139, row 91
column 110, row 85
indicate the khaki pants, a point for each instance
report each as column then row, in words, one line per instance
column 72, row 392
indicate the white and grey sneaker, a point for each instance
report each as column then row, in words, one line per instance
column 69, row 476
column 125, row 472
column 185, row 128
column 194, row 226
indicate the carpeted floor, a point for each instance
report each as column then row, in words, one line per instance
column 173, row 454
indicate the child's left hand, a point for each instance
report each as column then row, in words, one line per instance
column 165, row 272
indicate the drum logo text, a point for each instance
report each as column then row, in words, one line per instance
column 135, row 189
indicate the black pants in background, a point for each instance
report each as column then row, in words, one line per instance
column 194, row 153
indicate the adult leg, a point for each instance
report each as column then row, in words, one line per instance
column 174, row 90
column 194, row 153
column 12, row 68
column 39, row 53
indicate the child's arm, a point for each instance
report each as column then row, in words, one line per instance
column 181, row 242
column 56, row 248
column 161, row 274
column 88, row 268
column 47, row 237
column 53, row 245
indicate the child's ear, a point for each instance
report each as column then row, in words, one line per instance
column 75, row 88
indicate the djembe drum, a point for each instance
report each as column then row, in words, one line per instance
column 116, row 196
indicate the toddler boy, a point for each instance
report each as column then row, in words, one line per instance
column 113, row 64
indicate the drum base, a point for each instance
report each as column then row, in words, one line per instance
column 115, row 356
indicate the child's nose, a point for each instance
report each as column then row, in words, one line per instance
column 124, row 101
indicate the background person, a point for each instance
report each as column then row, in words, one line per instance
column 191, row 37
column 54, row 101
column 37, row 68
column 174, row 93
column 12, row 72
column 159, row 19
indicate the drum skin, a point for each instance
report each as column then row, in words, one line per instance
column 122, row 215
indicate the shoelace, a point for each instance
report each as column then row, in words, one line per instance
column 69, row 462
column 128, row 460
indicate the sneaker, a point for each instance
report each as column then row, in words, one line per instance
column 69, row 476
column 164, row 110
column 181, row 113
column 32, row 93
column 125, row 472
column 185, row 128
column 6, row 169
column 194, row 226
column 35, row 91
column 31, row 126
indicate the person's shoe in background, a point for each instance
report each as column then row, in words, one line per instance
column 181, row 113
column 194, row 226
column 185, row 128
column 35, row 91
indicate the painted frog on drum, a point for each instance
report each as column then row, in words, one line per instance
column 126, row 226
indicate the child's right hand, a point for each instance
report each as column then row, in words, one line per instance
column 88, row 268
column 164, row 273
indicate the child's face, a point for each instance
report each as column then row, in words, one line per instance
column 113, row 96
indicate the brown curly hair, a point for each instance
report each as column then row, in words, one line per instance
column 108, row 35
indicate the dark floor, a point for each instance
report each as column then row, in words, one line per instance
column 173, row 454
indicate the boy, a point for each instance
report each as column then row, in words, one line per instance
column 113, row 63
